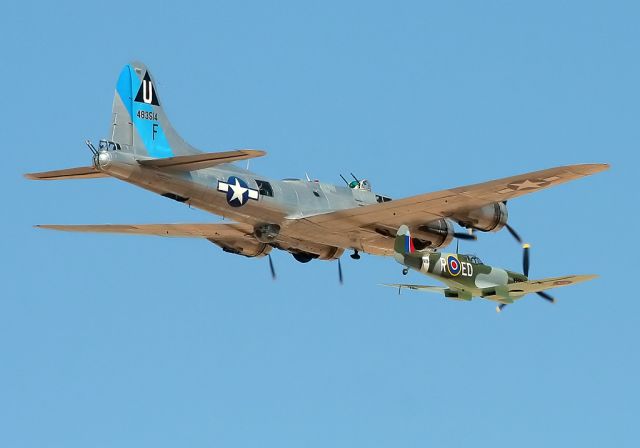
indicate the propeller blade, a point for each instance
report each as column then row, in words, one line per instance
column 513, row 233
column 340, row 277
column 465, row 236
column 525, row 259
column 273, row 270
column 546, row 296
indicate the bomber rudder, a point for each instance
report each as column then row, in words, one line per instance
column 138, row 122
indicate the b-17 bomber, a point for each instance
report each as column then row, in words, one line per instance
column 308, row 219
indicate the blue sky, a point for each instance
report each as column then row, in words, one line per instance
column 123, row 341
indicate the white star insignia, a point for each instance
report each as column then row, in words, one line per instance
column 238, row 192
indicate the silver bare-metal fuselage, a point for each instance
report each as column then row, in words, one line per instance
column 284, row 202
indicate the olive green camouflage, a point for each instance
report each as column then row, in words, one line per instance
column 466, row 276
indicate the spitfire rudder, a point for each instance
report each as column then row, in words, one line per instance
column 403, row 243
column 138, row 121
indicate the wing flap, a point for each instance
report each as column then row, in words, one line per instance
column 82, row 172
column 201, row 161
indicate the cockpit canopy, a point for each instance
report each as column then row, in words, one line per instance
column 474, row 259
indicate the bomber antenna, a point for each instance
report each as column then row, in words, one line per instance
column 357, row 180
column 345, row 180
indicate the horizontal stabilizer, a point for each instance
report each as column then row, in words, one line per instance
column 533, row 286
column 83, row 172
column 201, row 161
column 423, row 288
column 209, row 231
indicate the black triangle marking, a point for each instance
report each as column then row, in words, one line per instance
column 147, row 91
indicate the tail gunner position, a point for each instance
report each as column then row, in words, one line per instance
column 466, row 276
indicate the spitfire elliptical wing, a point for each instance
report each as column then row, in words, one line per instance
column 531, row 286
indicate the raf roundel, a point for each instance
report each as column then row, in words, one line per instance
column 238, row 191
column 453, row 265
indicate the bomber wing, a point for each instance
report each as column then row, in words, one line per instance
column 235, row 237
column 230, row 230
column 416, row 210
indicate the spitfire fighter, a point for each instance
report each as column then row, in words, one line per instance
column 309, row 219
column 466, row 276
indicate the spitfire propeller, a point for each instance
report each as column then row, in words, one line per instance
column 525, row 270
column 526, row 248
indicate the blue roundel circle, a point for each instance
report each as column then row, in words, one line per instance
column 237, row 192
column 453, row 265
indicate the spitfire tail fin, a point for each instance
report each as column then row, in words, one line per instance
column 138, row 121
column 403, row 244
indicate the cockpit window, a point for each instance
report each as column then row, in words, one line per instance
column 474, row 259
column 380, row 198
column 264, row 188
column 108, row 145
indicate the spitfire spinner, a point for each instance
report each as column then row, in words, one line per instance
column 466, row 276
column 310, row 220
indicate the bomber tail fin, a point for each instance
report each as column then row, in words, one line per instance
column 138, row 121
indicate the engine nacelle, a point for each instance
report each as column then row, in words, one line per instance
column 319, row 253
column 438, row 233
column 489, row 218
column 246, row 248
column 266, row 233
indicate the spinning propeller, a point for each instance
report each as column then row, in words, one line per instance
column 526, row 248
column 273, row 270
column 274, row 276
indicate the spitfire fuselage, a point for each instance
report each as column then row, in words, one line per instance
column 464, row 274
